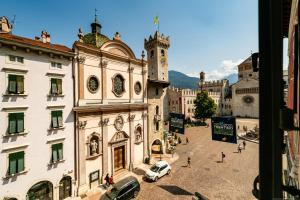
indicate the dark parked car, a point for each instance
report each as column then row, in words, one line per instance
column 127, row 188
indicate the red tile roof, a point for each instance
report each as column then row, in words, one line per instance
column 34, row 43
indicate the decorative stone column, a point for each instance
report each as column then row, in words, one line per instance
column 81, row 61
column 103, row 123
column 104, row 64
column 131, row 87
column 144, row 73
column 132, row 138
column 82, row 186
column 145, row 136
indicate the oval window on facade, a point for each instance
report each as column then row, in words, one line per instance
column 118, row 85
column 137, row 87
column 93, row 84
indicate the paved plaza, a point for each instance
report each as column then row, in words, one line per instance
column 232, row 179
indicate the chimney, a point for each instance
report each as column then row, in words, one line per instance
column 45, row 37
column 48, row 38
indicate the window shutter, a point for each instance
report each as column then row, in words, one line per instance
column 59, row 86
column 20, row 122
column 59, row 118
column 12, row 123
column 54, row 119
column 12, row 85
column 54, row 153
column 53, row 86
column 12, row 164
column 20, row 84
column 20, row 161
column 60, row 151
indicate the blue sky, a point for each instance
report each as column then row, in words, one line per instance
column 209, row 35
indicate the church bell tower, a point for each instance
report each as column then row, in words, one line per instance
column 157, row 57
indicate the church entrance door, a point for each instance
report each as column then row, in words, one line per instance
column 119, row 158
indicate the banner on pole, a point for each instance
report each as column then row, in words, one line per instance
column 224, row 129
column 176, row 123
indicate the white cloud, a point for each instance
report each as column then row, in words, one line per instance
column 226, row 68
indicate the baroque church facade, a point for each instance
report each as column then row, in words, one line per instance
column 110, row 107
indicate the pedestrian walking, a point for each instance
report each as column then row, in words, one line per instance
column 187, row 140
column 111, row 180
column 189, row 161
column 244, row 144
column 223, row 156
column 107, row 180
column 239, row 148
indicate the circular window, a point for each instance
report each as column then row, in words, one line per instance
column 93, row 84
column 248, row 99
column 137, row 87
column 118, row 85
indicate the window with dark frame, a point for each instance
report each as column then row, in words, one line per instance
column 18, row 59
column 15, row 84
column 56, row 119
column 16, row 163
column 15, row 123
column 57, row 152
column 56, row 86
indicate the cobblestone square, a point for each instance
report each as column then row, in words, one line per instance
column 232, row 179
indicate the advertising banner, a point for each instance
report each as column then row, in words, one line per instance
column 176, row 123
column 223, row 129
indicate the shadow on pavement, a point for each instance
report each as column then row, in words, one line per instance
column 138, row 171
column 175, row 190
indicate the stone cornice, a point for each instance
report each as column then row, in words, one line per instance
column 98, row 52
column 110, row 107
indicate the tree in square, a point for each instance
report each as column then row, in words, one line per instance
column 205, row 106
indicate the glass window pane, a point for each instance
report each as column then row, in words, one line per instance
column 60, row 152
column 20, row 84
column 20, row 122
column 59, row 86
column 53, row 86
column 12, row 58
column 54, row 119
column 54, row 153
column 59, row 65
column 12, row 83
column 12, row 123
column 20, row 59
column 20, row 162
column 12, row 164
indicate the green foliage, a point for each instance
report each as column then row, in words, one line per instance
column 205, row 106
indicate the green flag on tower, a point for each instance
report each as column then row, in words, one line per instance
column 156, row 20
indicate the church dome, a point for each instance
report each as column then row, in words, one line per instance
column 95, row 39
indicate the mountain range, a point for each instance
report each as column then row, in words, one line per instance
column 181, row 80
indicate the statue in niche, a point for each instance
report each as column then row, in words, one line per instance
column 94, row 147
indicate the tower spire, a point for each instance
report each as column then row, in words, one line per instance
column 96, row 26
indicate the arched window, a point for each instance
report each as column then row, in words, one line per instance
column 157, row 126
column 65, row 187
column 41, row 190
column 151, row 53
column 162, row 53
column 118, row 85
column 138, row 134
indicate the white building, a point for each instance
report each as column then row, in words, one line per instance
column 37, row 123
column 111, row 108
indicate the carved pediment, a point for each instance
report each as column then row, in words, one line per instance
column 119, row 136
column 118, row 51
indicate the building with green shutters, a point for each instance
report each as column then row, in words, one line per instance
column 37, row 123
